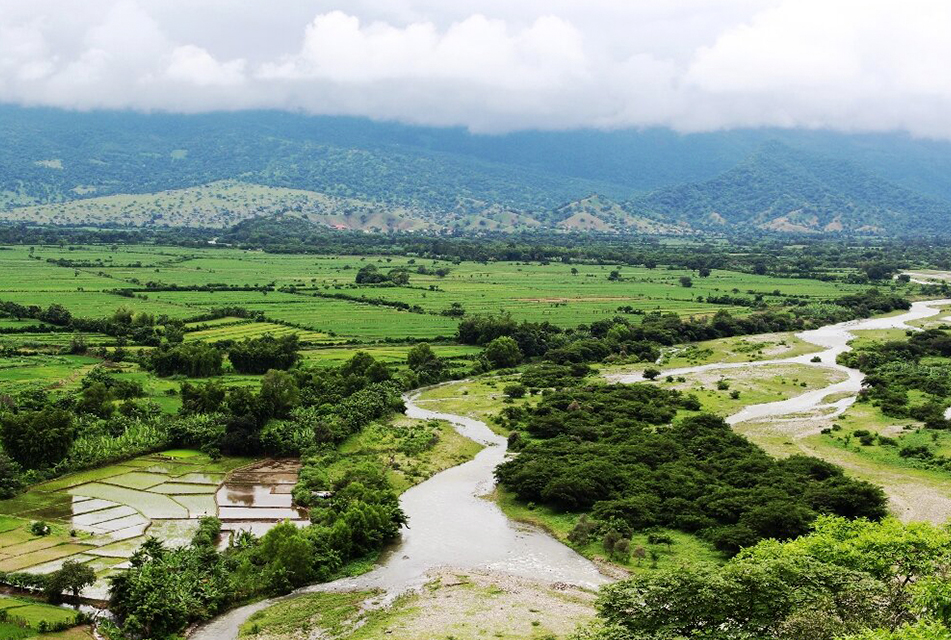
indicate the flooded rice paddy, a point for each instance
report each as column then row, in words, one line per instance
column 100, row 517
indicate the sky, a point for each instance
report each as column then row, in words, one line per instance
column 496, row 65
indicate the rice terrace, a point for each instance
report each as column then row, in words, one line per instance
column 475, row 321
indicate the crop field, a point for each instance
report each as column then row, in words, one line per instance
column 25, row 615
column 101, row 516
column 80, row 279
column 19, row 373
column 253, row 330
column 393, row 355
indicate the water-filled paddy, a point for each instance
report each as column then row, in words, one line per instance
column 100, row 517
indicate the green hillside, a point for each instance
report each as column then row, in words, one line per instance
column 787, row 190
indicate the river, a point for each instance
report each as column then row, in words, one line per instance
column 453, row 525
column 834, row 339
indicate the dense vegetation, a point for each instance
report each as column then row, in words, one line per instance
column 845, row 579
column 612, row 452
column 896, row 368
column 641, row 341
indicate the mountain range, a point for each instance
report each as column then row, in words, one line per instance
column 217, row 170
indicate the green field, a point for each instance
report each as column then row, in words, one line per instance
column 536, row 292
column 26, row 615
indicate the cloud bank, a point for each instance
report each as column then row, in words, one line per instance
column 692, row 65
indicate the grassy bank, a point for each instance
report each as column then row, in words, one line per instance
column 684, row 550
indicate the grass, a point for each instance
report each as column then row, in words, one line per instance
column 870, row 337
column 21, row 373
column 766, row 346
column 411, row 450
column 32, row 613
column 253, row 330
column 389, row 354
column 330, row 612
column 765, row 383
column 686, row 550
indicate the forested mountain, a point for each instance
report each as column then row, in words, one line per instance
column 779, row 188
column 215, row 170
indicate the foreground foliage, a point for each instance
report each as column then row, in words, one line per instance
column 855, row 579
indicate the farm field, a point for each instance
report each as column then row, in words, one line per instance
column 19, row 373
column 101, row 516
column 25, row 616
column 82, row 279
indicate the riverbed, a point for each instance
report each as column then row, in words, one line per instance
column 834, row 339
column 451, row 525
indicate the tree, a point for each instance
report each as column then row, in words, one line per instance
column 398, row 276
column 614, row 276
column 195, row 360
column 55, row 314
column 703, row 272
column 503, row 353
column 37, row 439
column 72, row 576
column 279, row 394
column 289, row 557
column 516, row 390
column 97, row 400
column 686, row 281
column 10, row 479
column 174, row 334
column 651, row 373
column 259, row 355
column 424, row 362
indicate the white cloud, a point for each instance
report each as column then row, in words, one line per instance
column 495, row 64
column 476, row 50
column 194, row 65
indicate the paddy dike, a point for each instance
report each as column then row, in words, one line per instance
column 101, row 516
column 255, row 497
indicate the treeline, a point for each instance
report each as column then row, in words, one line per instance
column 166, row 589
column 619, row 337
column 856, row 260
column 203, row 360
column 611, row 452
column 136, row 327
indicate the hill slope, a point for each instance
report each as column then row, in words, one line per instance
column 166, row 169
column 779, row 188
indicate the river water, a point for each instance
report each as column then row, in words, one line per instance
column 451, row 524
column 834, row 340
